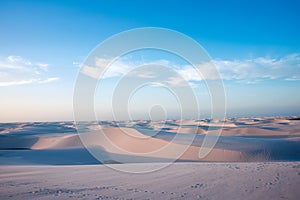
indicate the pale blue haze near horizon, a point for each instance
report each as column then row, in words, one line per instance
column 255, row 45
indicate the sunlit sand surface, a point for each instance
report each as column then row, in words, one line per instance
column 278, row 180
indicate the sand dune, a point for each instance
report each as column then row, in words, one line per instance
column 17, row 142
column 252, row 131
column 136, row 145
column 271, row 138
column 187, row 130
column 132, row 145
column 61, row 142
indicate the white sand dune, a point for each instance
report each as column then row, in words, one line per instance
column 187, row 130
column 62, row 142
column 252, row 131
column 129, row 141
column 17, row 142
column 217, row 124
column 131, row 145
column 126, row 141
column 234, row 181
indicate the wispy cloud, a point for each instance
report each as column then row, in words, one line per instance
column 48, row 80
column 15, row 70
column 248, row 71
column 287, row 68
column 119, row 68
column 10, row 83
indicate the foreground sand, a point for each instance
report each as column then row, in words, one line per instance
column 277, row 180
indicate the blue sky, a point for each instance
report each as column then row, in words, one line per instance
column 42, row 42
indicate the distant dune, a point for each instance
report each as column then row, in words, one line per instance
column 242, row 140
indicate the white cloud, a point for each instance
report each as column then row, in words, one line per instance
column 48, row 80
column 203, row 71
column 176, row 80
column 93, row 72
column 156, row 84
column 15, row 70
column 18, row 59
column 101, row 65
column 287, row 68
column 293, row 78
column 249, row 71
column 43, row 66
column 10, row 83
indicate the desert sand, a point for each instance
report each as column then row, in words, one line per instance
column 254, row 158
column 278, row 180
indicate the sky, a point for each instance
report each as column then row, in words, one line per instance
column 254, row 44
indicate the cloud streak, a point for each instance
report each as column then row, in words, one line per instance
column 287, row 68
column 15, row 70
column 247, row 71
